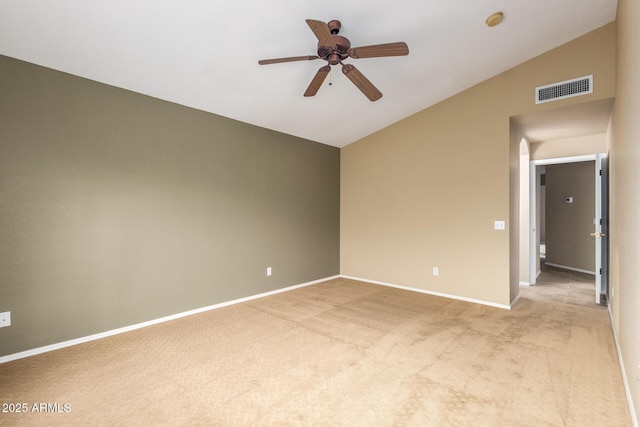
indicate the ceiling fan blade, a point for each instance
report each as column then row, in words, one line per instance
column 289, row 59
column 317, row 81
column 322, row 32
column 361, row 82
column 380, row 50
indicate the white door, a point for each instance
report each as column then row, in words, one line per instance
column 601, row 232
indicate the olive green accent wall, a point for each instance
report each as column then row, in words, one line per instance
column 425, row 192
column 624, row 173
column 568, row 225
column 117, row 208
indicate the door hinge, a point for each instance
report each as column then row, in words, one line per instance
column 600, row 271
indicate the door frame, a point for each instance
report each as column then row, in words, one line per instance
column 601, row 224
column 534, row 247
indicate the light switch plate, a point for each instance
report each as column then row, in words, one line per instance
column 498, row 225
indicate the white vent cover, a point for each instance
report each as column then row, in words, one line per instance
column 565, row 89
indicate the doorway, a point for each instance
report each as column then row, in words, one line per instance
column 556, row 135
column 569, row 218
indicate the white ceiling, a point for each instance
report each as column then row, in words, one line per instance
column 204, row 54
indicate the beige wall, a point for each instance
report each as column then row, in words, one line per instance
column 625, row 195
column 513, row 223
column 568, row 225
column 569, row 147
column 425, row 191
column 525, row 220
column 118, row 208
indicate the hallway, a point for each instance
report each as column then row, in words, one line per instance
column 563, row 286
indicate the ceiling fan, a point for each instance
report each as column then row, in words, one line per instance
column 334, row 49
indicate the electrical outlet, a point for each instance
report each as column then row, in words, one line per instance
column 498, row 225
column 5, row 319
column 268, row 271
column 436, row 271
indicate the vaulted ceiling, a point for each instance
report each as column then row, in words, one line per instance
column 204, row 54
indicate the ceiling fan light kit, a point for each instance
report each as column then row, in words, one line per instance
column 334, row 49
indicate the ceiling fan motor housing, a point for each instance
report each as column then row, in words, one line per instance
column 334, row 56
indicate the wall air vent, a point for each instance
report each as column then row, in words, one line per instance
column 565, row 89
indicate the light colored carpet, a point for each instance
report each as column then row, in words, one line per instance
column 340, row 353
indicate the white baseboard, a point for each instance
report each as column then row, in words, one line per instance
column 424, row 291
column 69, row 343
column 514, row 302
column 525, row 284
column 564, row 267
column 632, row 411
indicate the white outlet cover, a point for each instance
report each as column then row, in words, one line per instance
column 5, row 319
column 499, row 225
